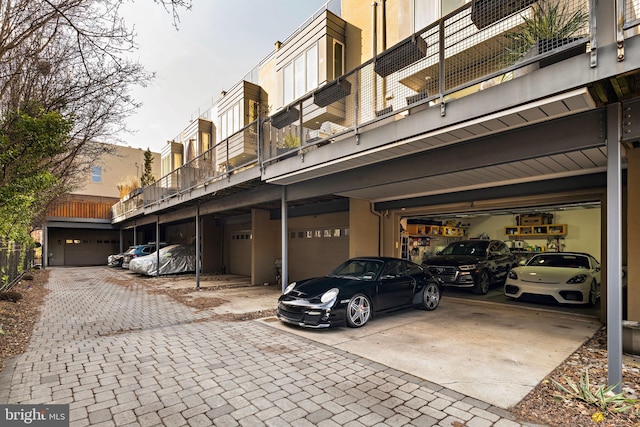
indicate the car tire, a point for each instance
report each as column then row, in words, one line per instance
column 593, row 296
column 430, row 296
column 358, row 311
column 482, row 285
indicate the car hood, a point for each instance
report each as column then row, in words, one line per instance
column 551, row 275
column 452, row 260
column 311, row 288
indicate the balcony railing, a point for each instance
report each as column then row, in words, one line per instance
column 466, row 51
column 631, row 10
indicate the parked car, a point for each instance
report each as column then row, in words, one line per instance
column 138, row 251
column 559, row 277
column 475, row 264
column 173, row 259
column 356, row 290
column 116, row 260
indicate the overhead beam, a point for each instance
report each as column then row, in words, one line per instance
column 585, row 130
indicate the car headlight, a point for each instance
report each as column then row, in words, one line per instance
column 289, row 288
column 513, row 275
column 468, row 267
column 580, row 278
column 331, row 294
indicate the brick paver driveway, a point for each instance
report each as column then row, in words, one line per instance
column 119, row 355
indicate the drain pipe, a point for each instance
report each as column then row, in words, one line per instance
column 380, row 228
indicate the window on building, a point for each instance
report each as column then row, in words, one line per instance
column 426, row 13
column 338, row 59
column 288, row 83
column 177, row 160
column 237, row 124
column 230, row 122
column 205, row 142
column 96, row 174
column 301, row 75
column 253, row 111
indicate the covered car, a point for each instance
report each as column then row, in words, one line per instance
column 356, row 290
column 173, row 259
column 116, row 260
column 558, row 277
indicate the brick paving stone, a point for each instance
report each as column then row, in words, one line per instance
column 100, row 416
column 121, row 355
column 424, row 421
column 478, row 422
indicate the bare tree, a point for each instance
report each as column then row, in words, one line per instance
column 67, row 57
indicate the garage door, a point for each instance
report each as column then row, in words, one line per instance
column 332, row 242
column 81, row 247
column 240, row 253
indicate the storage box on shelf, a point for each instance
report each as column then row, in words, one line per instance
column 537, row 219
column 434, row 230
column 533, row 231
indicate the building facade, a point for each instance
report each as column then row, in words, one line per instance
column 78, row 230
column 374, row 118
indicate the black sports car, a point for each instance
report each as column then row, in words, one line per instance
column 356, row 290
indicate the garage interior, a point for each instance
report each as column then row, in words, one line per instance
column 571, row 227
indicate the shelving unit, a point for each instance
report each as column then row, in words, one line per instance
column 542, row 231
column 421, row 230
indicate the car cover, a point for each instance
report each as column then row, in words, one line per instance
column 173, row 259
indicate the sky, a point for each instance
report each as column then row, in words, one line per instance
column 216, row 44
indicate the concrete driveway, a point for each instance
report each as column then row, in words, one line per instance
column 493, row 352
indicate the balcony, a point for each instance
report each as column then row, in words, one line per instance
column 448, row 60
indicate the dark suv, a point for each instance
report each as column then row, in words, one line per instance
column 139, row 250
column 473, row 264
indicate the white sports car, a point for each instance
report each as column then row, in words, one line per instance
column 561, row 277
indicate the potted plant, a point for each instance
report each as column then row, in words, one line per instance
column 287, row 143
column 552, row 23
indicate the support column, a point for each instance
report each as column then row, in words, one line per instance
column 364, row 229
column 45, row 246
column 264, row 247
column 158, row 246
column 198, row 263
column 614, row 246
column 284, row 236
column 633, row 233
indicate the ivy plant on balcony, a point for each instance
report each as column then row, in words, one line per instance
column 551, row 24
column 289, row 141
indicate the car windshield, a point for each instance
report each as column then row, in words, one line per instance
column 559, row 260
column 476, row 248
column 364, row 269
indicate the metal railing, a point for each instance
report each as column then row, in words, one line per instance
column 631, row 13
column 465, row 52
column 238, row 151
column 15, row 259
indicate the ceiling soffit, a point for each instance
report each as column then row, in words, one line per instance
column 314, row 166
